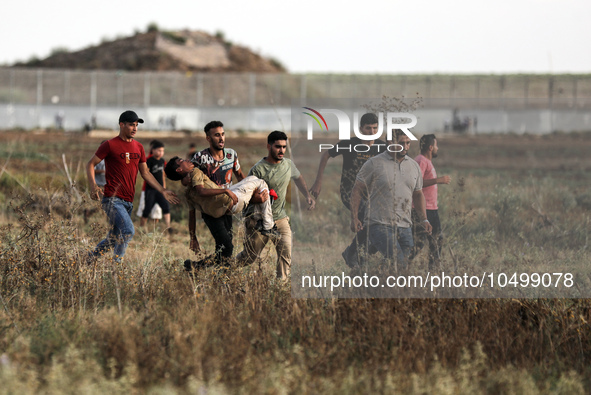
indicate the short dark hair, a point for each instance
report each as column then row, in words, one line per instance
column 426, row 141
column 171, row 169
column 368, row 119
column 156, row 144
column 213, row 125
column 275, row 136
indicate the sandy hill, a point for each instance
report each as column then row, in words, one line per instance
column 163, row 51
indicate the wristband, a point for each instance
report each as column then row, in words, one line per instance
column 426, row 220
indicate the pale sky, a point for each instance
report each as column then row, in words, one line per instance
column 412, row 36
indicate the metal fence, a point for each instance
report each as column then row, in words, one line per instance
column 93, row 89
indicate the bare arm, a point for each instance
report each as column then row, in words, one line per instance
column 194, row 243
column 259, row 197
column 301, row 184
column 418, row 200
column 317, row 186
column 239, row 174
column 358, row 188
column 95, row 190
column 438, row 180
column 210, row 192
column 146, row 175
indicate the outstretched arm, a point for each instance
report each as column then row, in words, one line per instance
column 317, row 186
column 301, row 184
column 438, row 180
column 146, row 175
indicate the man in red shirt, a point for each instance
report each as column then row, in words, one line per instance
column 429, row 151
column 123, row 157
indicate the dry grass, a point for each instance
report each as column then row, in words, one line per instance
column 145, row 326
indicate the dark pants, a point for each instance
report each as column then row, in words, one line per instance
column 356, row 253
column 151, row 197
column 434, row 239
column 221, row 230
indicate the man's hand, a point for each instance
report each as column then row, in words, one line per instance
column 259, row 197
column 96, row 192
column 311, row 203
column 427, row 226
column 444, row 180
column 356, row 225
column 315, row 190
column 171, row 197
column 232, row 196
column 194, row 246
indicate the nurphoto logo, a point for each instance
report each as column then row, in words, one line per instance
column 394, row 120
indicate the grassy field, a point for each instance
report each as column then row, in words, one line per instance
column 145, row 326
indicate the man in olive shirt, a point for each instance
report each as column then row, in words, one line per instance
column 277, row 172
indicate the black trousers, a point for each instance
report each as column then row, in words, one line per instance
column 151, row 197
column 221, row 230
column 421, row 238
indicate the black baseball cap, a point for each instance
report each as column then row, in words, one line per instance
column 130, row 116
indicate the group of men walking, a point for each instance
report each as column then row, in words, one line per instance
column 379, row 188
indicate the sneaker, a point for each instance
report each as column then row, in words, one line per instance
column 259, row 225
column 273, row 232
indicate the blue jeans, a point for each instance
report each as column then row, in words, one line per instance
column 385, row 237
column 122, row 230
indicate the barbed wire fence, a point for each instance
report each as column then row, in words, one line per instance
column 49, row 91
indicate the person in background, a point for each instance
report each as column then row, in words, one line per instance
column 156, row 213
column 192, row 151
column 429, row 150
column 99, row 178
column 156, row 165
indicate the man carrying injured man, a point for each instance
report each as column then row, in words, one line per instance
column 206, row 196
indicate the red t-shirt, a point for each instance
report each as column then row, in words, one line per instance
column 121, row 166
column 428, row 172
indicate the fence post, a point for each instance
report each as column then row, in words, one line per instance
column 67, row 87
column 93, row 94
column 119, row 90
column 278, row 90
column 252, row 89
column 575, row 80
column 199, row 89
column 526, row 90
column 39, row 95
column 146, row 90
column 303, row 87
